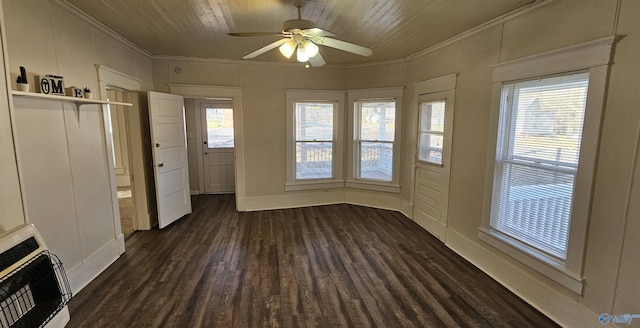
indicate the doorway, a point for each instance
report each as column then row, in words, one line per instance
column 218, row 157
column 194, row 94
column 120, row 131
column 433, row 154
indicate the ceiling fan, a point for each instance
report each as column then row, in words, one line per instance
column 305, row 36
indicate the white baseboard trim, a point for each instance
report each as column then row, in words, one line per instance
column 120, row 239
column 81, row 275
column 241, row 204
column 292, row 200
column 562, row 308
column 194, row 192
column 406, row 208
column 381, row 200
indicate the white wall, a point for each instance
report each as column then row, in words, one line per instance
column 63, row 152
column 10, row 194
column 614, row 238
column 190, row 113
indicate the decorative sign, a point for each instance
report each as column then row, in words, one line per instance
column 52, row 85
column 75, row 92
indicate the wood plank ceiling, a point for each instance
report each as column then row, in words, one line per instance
column 198, row 28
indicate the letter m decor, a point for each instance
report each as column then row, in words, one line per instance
column 52, row 85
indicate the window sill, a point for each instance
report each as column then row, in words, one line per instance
column 313, row 184
column 373, row 185
column 536, row 260
column 427, row 165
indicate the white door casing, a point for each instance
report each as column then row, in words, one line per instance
column 111, row 78
column 169, row 144
column 234, row 93
column 431, row 185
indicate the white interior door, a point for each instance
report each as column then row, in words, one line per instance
column 169, row 144
column 218, row 151
column 433, row 160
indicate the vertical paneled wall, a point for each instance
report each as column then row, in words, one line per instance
column 63, row 150
column 10, row 193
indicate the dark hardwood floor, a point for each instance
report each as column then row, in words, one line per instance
column 323, row 266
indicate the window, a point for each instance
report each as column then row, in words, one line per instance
column 219, row 127
column 543, row 154
column 374, row 151
column 431, row 131
column 374, row 139
column 537, row 158
column 314, row 150
column 314, row 140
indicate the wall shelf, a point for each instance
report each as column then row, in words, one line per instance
column 78, row 101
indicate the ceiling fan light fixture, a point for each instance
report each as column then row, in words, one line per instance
column 302, row 55
column 303, row 37
column 287, row 48
column 310, row 48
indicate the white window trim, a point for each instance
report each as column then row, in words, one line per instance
column 393, row 186
column 593, row 57
column 293, row 96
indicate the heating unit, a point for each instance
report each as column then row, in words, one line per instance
column 34, row 290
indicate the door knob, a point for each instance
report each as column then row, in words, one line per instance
column 157, row 145
column 161, row 165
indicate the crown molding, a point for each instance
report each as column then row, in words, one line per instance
column 237, row 61
column 571, row 58
column 201, row 59
column 484, row 26
column 377, row 63
column 75, row 11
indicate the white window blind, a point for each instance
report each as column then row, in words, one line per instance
column 539, row 139
column 314, row 137
column 375, row 138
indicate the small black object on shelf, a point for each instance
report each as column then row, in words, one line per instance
column 22, row 78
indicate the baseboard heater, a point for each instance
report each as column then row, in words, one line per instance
column 34, row 290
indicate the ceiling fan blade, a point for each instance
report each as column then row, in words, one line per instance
column 317, row 60
column 266, row 48
column 316, row 31
column 255, row 33
column 344, row 46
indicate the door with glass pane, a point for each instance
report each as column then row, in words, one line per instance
column 435, row 125
column 218, row 151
